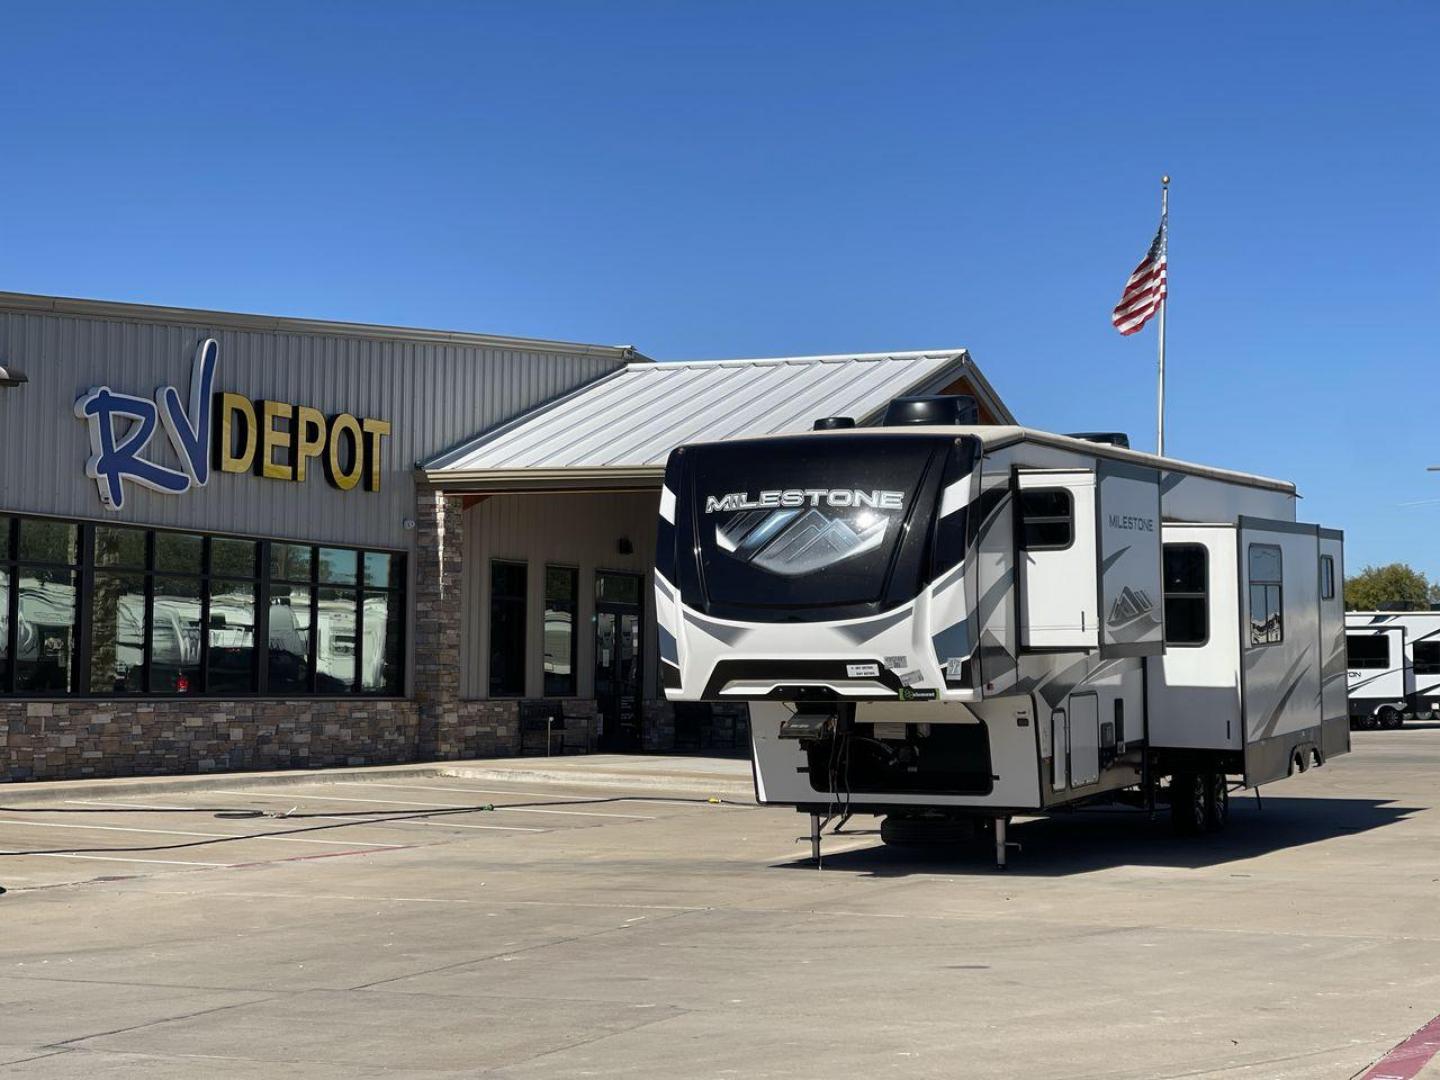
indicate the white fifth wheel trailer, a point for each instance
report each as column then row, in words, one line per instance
column 1394, row 666
column 949, row 624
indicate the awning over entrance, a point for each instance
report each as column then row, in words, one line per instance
column 617, row 432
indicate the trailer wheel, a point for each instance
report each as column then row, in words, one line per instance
column 1217, row 801
column 1187, row 804
column 1390, row 717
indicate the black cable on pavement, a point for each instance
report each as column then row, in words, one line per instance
column 354, row 817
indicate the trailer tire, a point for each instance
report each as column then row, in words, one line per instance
column 1217, row 801
column 920, row 831
column 1187, row 804
column 1390, row 717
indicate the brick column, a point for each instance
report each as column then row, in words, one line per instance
column 439, row 542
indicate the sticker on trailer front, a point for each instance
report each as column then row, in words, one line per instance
column 916, row 693
column 862, row 671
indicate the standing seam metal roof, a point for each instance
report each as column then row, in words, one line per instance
column 629, row 421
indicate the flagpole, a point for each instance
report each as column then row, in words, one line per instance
column 1160, row 401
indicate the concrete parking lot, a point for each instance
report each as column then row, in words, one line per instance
column 641, row 937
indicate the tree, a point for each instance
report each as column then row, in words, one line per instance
column 1394, row 587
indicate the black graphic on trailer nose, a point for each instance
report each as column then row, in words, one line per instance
column 792, row 542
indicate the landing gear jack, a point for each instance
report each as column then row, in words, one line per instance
column 1001, row 846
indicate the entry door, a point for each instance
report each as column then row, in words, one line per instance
column 1056, row 555
column 618, row 660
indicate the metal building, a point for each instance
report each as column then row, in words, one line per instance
column 235, row 541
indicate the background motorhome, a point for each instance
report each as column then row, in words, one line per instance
column 949, row 623
column 1393, row 666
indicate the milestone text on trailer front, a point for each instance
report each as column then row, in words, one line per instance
column 949, row 623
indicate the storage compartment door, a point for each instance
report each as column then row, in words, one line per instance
column 1084, row 740
column 1055, row 551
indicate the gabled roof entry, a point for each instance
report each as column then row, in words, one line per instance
column 618, row 431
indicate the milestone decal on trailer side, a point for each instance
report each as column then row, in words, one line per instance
column 207, row 425
column 791, row 498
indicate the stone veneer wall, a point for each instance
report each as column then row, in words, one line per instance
column 45, row 740
column 72, row 737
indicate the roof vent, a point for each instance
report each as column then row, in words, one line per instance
column 830, row 423
column 1110, row 438
column 942, row 409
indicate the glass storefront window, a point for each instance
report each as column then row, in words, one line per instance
column 616, row 588
column 117, row 633
column 233, row 558
column 507, row 629
column 4, row 618
column 289, row 645
column 48, row 541
column 175, row 635
column 381, row 571
column 382, row 658
column 231, row 667
column 179, row 552
column 168, row 613
column 562, row 585
column 290, row 562
column 336, row 626
column 44, row 634
column 120, row 547
column 338, row 566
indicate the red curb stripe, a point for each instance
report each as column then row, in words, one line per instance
column 1412, row 1055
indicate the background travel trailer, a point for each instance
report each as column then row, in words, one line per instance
column 1394, row 666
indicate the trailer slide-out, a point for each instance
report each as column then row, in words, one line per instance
column 948, row 624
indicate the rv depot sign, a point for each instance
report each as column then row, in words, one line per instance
column 225, row 431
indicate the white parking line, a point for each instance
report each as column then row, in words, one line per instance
column 122, row 858
column 183, row 832
column 317, row 817
column 511, row 809
column 696, row 802
column 391, row 802
column 122, row 805
column 827, row 849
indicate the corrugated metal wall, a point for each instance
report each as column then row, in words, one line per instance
column 435, row 394
column 564, row 530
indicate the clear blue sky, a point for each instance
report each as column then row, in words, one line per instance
column 768, row 178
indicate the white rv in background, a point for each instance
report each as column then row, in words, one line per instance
column 949, row 624
column 1393, row 666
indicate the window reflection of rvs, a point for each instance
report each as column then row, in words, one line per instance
column 557, row 642
column 335, row 645
column 46, row 639
column 46, row 633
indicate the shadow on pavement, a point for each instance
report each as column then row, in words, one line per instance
column 1081, row 841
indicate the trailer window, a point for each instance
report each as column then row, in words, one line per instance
column 1046, row 519
column 1187, row 617
column 1267, row 613
column 1367, row 652
column 1427, row 658
column 1327, row 577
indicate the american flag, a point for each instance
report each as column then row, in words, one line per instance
column 1144, row 290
